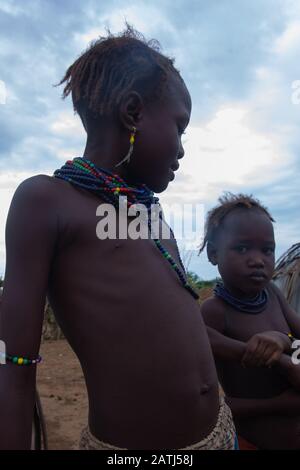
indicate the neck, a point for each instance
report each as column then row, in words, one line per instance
column 106, row 148
column 239, row 294
column 247, row 305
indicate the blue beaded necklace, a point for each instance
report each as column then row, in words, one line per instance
column 85, row 174
column 255, row 305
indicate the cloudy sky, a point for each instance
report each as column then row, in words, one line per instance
column 240, row 61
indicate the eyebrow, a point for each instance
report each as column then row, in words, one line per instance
column 249, row 241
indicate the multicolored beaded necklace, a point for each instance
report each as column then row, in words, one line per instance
column 255, row 305
column 85, row 174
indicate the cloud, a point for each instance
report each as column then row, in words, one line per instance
column 137, row 14
column 226, row 154
column 289, row 40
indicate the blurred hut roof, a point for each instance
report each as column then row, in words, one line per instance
column 287, row 275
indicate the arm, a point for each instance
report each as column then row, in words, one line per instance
column 222, row 346
column 266, row 348
column 30, row 238
column 225, row 348
column 288, row 403
column 292, row 318
column 262, row 349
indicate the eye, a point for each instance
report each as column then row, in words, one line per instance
column 241, row 249
column 269, row 250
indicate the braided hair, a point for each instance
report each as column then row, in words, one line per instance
column 112, row 66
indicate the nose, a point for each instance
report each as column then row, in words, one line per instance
column 256, row 261
column 181, row 151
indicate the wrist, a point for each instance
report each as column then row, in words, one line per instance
column 287, row 341
column 291, row 339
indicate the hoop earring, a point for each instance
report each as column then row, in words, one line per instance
column 131, row 140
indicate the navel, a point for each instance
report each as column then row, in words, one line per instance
column 204, row 389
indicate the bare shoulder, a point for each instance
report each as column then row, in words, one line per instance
column 273, row 289
column 37, row 193
column 212, row 310
column 33, row 205
column 291, row 316
column 276, row 293
column 38, row 186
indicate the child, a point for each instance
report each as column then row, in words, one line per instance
column 251, row 326
column 124, row 305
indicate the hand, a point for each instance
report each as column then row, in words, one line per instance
column 264, row 349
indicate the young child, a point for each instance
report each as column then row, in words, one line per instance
column 124, row 305
column 251, row 326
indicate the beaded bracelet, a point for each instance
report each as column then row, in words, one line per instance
column 21, row 361
column 292, row 338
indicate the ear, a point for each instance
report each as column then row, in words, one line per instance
column 131, row 110
column 212, row 253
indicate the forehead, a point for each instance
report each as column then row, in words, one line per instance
column 248, row 225
column 177, row 98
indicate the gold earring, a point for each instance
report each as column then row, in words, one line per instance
column 131, row 141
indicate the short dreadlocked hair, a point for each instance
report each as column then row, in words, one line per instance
column 228, row 203
column 112, row 66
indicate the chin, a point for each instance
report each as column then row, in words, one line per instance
column 158, row 186
column 155, row 185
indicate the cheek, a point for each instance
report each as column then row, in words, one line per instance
column 230, row 265
column 161, row 140
column 270, row 263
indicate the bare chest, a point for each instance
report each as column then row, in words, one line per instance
column 243, row 326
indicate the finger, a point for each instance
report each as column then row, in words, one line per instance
column 265, row 355
column 247, row 359
column 273, row 351
column 258, row 354
column 249, row 353
column 245, row 363
column 273, row 358
column 250, row 361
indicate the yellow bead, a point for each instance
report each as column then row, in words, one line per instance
column 20, row 360
column 132, row 139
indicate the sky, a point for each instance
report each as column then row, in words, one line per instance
column 240, row 62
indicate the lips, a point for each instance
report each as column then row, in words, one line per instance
column 258, row 276
column 175, row 166
column 171, row 174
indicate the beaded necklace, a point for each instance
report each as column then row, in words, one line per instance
column 85, row 174
column 255, row 305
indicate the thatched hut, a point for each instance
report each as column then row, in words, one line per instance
column 287, row 276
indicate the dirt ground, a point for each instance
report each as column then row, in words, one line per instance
column 63, row 394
